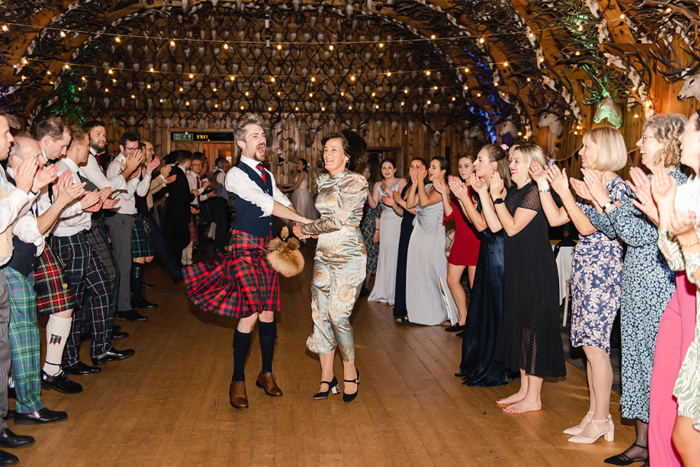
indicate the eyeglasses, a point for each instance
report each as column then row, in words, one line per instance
column 646, row 137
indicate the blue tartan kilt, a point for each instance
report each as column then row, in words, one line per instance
column 238, row 285
column 141, row 244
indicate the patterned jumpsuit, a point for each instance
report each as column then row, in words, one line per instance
column 339, row 264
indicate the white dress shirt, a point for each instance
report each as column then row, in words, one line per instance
column 126, row 196
column 192, row 180
column 26, row 228
column 73, row 219
column 93, row 172
column 16, row 203
column 238, row 182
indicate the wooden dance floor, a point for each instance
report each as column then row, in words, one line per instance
column 168, row 405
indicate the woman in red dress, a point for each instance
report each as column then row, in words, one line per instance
column 465, row 247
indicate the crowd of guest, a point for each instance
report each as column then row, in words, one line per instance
column 79, row 226
column 632, row 237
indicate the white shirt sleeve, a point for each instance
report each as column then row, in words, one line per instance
column 93, row 172
column 11, row 207
column 26, row 229
column 143, row 185
column 239, row 183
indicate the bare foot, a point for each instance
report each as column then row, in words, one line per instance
column 524, row 406
column 517, row 397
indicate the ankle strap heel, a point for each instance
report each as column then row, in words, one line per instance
column 351, row 397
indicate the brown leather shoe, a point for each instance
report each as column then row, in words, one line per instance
column 267, row 382
column 238, row 396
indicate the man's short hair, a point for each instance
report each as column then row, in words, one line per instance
column 241, row 127
column 184, row 156
column 92, row 124
column 76, row 133
column 129, row 137
column 52, row 126
column 221, row 162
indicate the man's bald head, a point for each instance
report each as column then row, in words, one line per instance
column 24, row 148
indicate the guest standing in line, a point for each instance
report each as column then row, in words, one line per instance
column 389, row 232
column 302, row 199
column 408, row 215
column 478, row 366
column 660, row 148
column 464, row 253
column 596, row 272
column 647, row 286
column 428, row 299
column 530, row 338
column 340, row 260
column 679, row 242
column 370, row 220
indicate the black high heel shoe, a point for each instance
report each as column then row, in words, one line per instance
column 351, row 397
column 332, row 387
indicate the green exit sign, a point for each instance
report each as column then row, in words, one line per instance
column 182, row 137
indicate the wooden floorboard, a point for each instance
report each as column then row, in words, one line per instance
column 168, row 405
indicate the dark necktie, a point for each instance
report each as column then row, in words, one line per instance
column 263, row 174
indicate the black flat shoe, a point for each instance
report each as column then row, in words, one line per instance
column 10, row 440
column 40, row 417
column 112, row 355
column 332, row 387
column 351, row 397
column 143, row 303
column 455, row 328
column 131, row 315
column 8, row 459
column 60, row 383
column 402, row 320
column 119, row 335
column 364, row 292
column 624, row 459
column 460, row 334
column 81, row 369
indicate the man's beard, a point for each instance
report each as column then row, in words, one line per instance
column 96, row 147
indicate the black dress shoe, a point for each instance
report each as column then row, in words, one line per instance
column 10, row 415
column 41, row 416
column 81, row 369
column 116, row 327
column 60, row 383
column 142, row 303
column 11, row 393
column 119, row 335
column 131, row 315
column 8, row 459
column 8, row 439
column 113, row 355
column 146, row 285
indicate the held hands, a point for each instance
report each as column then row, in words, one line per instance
column 496, row 186
column 641, row 187
column 44, row 176
column 596, row 186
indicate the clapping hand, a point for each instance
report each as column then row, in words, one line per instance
column 558, row 180
column 421, row 173
column 44, row 176
column 663, row 189
column 397, row 197
column 496, row 186
column 458, row 187
column 389, row 198
column 152, row 165
column 681, row 223
column 89, row 199
column 24, row 175
column 170, row 179
column 596, row 186
column 641, row 187
column 165, row 171
column 478, row 184
column 66, row 194
column 440, row 186
column 538, row 173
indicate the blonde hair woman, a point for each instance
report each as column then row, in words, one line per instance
column 530, row 340
column 596, row 272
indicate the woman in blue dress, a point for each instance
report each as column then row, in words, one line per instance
column 485, row 314
column 596, row 272
column 647, row 286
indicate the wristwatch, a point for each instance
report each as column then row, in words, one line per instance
column 498, row 201
column 607, row 205
column 544, row 190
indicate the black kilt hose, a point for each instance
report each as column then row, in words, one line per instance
column 241, row 284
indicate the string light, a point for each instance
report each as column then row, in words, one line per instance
column 225, row 46
column 381, row 45
column 172, row 43
column 432, row 37
column 117, row 39
column 63, row 34
column 5, row 28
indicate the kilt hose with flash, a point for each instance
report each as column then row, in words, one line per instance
column 86, row 276
column 241, row 284
column 25, row 341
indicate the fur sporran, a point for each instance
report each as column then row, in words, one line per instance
column 284, row 255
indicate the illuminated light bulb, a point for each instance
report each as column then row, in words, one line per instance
column 279, row 93
column 63, row 34
column 48, row 72
column 528, row 80
column 531, row 35
column 576, row 132
column 269, row 109
column 374, row 94
column 311, row 94
column 4, row 27
column 114, row 81
column 182, row 90
column 622, row 16
column 161, row 101
column 66, row 66
column 106, row 89
column 636, row 115
column 323, row 109
column 481, row 40
column 428, row 102
column 50, row 82
column 117, row 39
column 495, row 83
column 541, row 59
column 478, row 94
column 246, row 93
column 214, row 89
column 272, row 79
column 352, row 78
column 466, row 69
column 577, row 53
column 152, row 70
column 233, row 78
column 191, row 76
column 580, row 27
column 381, row 45
column 634, row 88
column 23, row 77
column 520, row 133
column 134, row 97
column 432, row 36
column 388, row 73
column 402, row 102
column 405, row 91
column 216, row 106
column 296, row 109
column 330, row 47
column 668, row 10
column 349, row 107
column 435, row 87
column 313, row 80
column 454, row 99
column 466, row 88
column 225, row 46
column 342, row 94
column 148, row 86
column 172, row 43
column 505, row 64
column 111, row 72
column 279, row 46
column 376, row 106
column 242, row 108
column 427, row 73
column 84, row 78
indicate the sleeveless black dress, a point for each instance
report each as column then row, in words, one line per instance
column 404, row 238
column 530, row 338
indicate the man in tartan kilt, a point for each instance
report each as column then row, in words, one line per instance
column 12, row 202
column 28, row 242
column 83, row 268
column 243, row 285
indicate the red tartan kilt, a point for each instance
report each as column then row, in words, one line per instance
column 53, row 293
column 240, row 284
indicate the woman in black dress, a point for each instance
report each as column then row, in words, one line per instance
column 530, row 340
column 398, row 203
column 485, row 315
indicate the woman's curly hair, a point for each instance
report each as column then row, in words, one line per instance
column 667, row 129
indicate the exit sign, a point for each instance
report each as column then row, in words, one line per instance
column 182, row 136
column 202, row 136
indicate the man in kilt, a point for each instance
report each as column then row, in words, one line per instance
column 83, row 268
column 28, row 242
column 244, row 285
column 12, row 202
